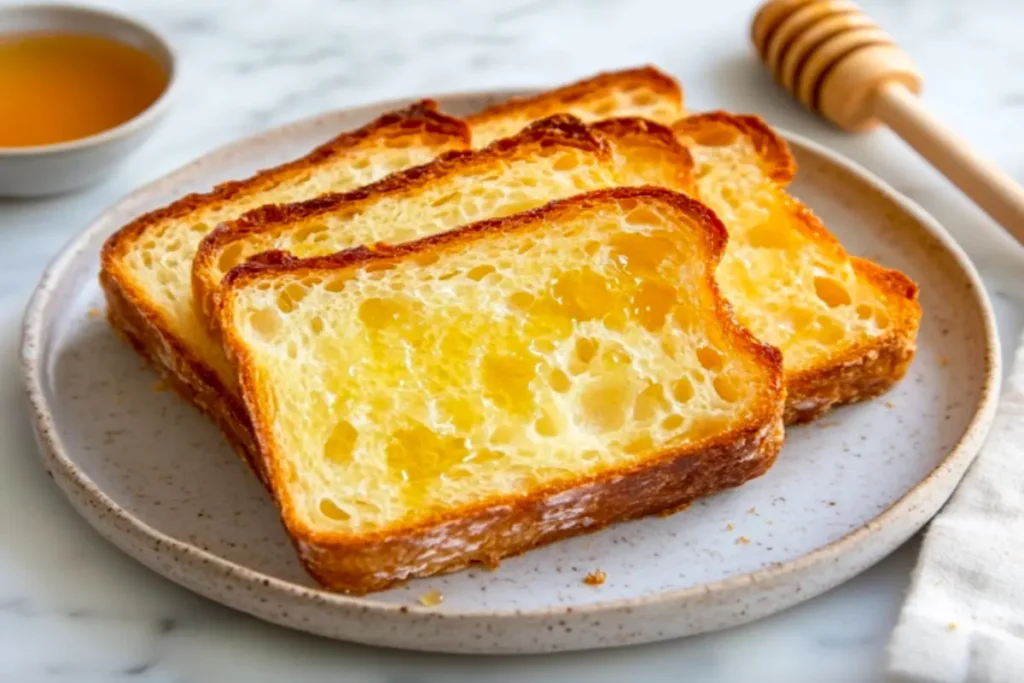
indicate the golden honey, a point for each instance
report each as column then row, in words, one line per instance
column 58, row 87
column 635, row 289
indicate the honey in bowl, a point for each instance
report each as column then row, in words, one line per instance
column 58, row 87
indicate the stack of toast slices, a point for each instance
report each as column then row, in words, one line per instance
column 442, row 341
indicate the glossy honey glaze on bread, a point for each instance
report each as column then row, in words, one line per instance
column 399, row 390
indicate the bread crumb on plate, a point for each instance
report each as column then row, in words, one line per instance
column 431, row 598
column 595, row 578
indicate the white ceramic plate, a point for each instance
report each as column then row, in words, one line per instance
column 156, row 480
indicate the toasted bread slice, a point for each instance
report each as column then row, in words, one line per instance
column 847, row 328
column 146, row 266
column 552, row 158
column 145, row 269
column 645, row 92
column 481, row 392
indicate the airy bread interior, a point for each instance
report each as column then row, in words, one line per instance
column 493, row 361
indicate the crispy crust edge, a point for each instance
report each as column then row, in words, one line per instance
column 552, row 100
column 776, row 158
column 419, row 118
column 193, row 380
column 864, row 370
column 502, row 527
column 557, row 130
column 633, row 129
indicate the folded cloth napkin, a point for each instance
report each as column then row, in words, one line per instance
column 963, row 619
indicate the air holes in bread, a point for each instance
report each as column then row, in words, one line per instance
column 831, row 291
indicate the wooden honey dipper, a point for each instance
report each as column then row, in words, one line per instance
column 840, row 64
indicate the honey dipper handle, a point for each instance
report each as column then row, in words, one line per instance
column 989, row 187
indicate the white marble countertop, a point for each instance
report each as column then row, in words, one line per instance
column 72, row 608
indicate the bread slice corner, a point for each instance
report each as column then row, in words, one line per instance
column 847, row 327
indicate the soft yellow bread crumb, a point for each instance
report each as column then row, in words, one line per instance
column 432, row 598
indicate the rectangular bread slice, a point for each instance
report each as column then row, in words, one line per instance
column 478, row 393
column 847, row 328
column 552, row 158
column 146, row 266
column 644, row 92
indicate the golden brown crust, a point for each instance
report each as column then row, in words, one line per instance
column 503, row 526
column 560, row 130
column 419, row 119
column 134, row 316
column 543, row 104
column 649, row 138
column 777, row 160
column 190, row 378
column 490, row 534
column 864, row 370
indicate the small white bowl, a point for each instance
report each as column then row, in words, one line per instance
column 65, row 166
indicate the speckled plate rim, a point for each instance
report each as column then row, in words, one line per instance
column 795, row 578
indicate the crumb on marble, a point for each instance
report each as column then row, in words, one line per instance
column 952, row 626
column 95, row 312
column 742, row 540
column 729, row 527
column 595, row 578
column 431, row 598
column 888, row 404
column 752, row 511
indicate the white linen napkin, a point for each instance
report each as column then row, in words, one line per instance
column 963, row 618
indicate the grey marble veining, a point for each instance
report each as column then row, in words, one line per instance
column 72, row 608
